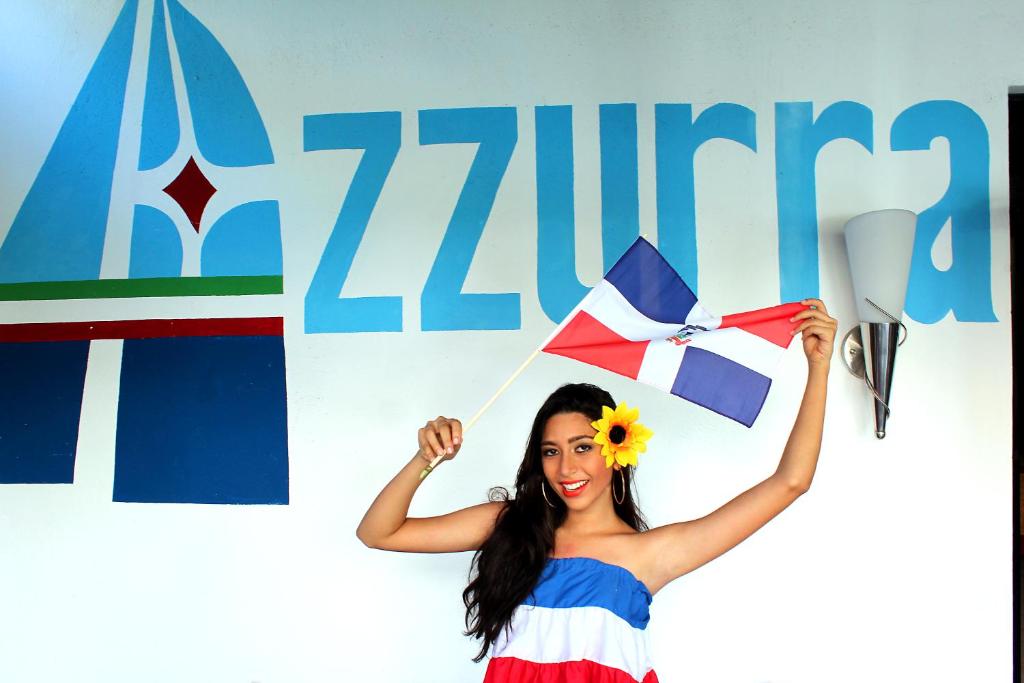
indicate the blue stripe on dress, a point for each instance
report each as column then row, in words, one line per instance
column 586, row 582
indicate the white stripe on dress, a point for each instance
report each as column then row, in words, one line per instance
column 539, row 634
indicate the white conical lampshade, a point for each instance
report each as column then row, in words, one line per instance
column 879, row 245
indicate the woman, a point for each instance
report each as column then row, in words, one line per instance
column 566, row 568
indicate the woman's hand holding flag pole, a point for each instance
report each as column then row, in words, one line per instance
column 472, row 421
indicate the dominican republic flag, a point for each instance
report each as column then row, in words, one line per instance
column 642, row 321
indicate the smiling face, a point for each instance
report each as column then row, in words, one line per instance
column 572, row 462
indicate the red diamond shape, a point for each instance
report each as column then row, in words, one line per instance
column 192, row 191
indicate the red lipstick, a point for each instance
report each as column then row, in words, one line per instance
column 571, row 489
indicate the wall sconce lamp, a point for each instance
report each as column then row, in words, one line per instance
column 879, row 245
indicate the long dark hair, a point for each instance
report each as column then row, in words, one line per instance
column 509, row 563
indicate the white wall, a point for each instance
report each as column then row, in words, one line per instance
column 895, row 567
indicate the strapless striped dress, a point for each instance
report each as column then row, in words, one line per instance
column 585, row 621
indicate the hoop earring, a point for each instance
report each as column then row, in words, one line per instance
column 544, row 492
column 622, row 478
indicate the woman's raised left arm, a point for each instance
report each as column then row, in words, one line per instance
column 677, row 549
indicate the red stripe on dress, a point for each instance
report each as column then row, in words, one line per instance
column 587, row 340
column 513, row 670
column 771, row 324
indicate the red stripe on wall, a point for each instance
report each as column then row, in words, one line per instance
column 142, row 329
column 512, row 670
column 771, row 324
column 587, row 340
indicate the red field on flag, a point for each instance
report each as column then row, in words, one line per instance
column 586, row 340
column 771, row 324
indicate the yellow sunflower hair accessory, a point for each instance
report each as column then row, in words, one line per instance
column 620, row 435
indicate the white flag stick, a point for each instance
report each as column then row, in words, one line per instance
column 430, row 468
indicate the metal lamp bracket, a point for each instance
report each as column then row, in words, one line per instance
column 853, row 346
column 853, row 353
column 855, row 360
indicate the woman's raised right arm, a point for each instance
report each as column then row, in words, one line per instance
column 387, row 526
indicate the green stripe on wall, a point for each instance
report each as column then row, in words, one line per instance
column 142, row 287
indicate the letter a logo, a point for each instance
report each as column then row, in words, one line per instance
column 201, row 412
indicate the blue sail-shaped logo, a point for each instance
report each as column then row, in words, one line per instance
column 58, row 233
column 227, row 125
column 60, row 230
column 228, row 132
column 204, row 403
